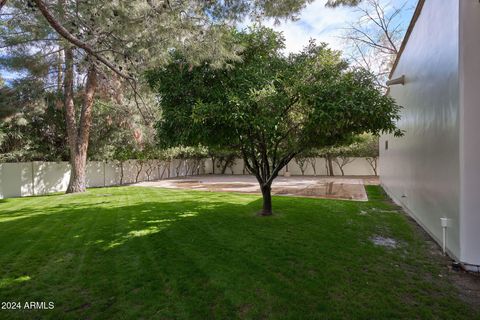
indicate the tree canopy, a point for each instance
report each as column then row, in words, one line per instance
column 269, row 106
column 127, row 36
column 336, row 3
column 80, row 48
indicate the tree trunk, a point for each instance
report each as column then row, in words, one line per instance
column 77, row 181
column 139, row 170
column 121, row 172
column 70, row 119
column 330, row 166
column 149, row 170
column 60, row 81
column 373, row 163
column 267, row 200
column 78, row 138
column 177, row 168
column 59, row 71
column 225, row 166
column 213, row 165
column 164, row 167
column 330, row 188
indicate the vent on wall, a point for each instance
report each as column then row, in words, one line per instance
column 386, row 144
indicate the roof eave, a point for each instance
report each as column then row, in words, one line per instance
column 411, row 26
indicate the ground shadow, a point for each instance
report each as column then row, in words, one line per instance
column 153, row 253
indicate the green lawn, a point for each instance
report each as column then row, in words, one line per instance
column 132, row 253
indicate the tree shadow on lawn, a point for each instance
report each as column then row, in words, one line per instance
column 200, row 257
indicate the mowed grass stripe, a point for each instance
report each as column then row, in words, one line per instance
column 131, row 252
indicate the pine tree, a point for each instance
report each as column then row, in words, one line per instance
column 64, row 41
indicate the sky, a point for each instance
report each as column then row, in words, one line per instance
column 327, row 24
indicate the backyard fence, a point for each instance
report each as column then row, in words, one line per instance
column 36, row 178
column 311, row 167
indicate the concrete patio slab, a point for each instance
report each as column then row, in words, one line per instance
column 347, row 188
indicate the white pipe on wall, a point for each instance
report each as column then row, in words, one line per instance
column 444, row 223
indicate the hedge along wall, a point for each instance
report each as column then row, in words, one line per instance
column 36, row 178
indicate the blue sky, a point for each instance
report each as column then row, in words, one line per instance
column 7, row 75
column 327, row 24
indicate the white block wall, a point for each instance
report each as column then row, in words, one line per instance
column 36, row 178
column 358, row 167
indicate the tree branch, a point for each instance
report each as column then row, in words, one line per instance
column 62, row 31
column 282, row 163
column 2, row 3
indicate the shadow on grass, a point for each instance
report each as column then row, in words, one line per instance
column 126, row 252
column 131, row 253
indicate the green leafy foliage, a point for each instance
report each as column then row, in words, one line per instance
column 35, row 128
column 336, row 3
column 181, row 152
column 268, row 106
column 117, row 132
column 34, row 132
column 303, row 101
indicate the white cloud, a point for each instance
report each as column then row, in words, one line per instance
column 316, row 22
column 326, row 24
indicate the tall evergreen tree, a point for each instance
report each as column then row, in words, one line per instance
column 71, row 40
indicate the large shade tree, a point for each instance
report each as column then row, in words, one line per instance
column 268, row 106
column 89, row 42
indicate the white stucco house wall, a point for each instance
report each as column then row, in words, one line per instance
column 434, row 170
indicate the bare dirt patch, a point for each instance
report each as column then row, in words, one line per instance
column 187, row 181
column 228, row 185
column 346, row 188
column 325, row 190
